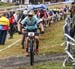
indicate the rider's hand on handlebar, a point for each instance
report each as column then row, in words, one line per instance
column 19, row 32
column 42, row 32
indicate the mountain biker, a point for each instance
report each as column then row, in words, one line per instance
column 30, row 24
column 23, row 15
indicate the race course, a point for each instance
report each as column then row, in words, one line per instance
column 51, row 50
column 50, row 44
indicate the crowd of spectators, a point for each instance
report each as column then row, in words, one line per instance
column 48, row 15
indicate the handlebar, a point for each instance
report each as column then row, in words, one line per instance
column 31, row 34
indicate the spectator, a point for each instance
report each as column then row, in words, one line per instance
column 70, row 20
column 11, row 30
column 4, row 25
column 23, row 15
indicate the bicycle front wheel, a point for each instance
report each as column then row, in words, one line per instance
column 31, row 53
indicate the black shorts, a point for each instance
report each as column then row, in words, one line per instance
column 34, row 30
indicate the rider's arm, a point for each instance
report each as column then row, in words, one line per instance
column 39, row 21
column 19, row 25
column 23, row 21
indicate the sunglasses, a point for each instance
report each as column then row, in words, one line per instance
column 30, row 15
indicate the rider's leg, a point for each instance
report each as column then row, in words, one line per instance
column 27, row 39
column 41, row 26
column 22, row 43
column 23, row 39
column 37, row 44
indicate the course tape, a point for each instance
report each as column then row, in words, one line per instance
column 10, row 45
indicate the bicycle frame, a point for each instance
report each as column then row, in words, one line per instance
column 31, row 42
column 31, row 36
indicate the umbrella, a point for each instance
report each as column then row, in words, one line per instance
column 41, row 6
column 31, row 7
column 19, row 9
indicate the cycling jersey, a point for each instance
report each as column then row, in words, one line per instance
column 12, row 20
column 30, row 24
column 4, row 23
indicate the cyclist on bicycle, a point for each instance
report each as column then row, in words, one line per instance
column 23, row 15
column 31, row 25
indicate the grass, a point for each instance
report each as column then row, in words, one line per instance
column 50, row 42
column 5, row 4
column 52, row 39
column 45, row 65
column 15, row 50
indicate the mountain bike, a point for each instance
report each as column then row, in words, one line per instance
column 32, row 45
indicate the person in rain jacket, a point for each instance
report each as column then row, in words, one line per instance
column 4, row 26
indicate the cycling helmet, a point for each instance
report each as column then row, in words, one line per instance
column 31, row 13
column 25, row 12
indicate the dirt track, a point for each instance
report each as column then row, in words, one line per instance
column 14, row 62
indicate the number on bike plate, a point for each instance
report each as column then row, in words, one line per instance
column 31, row 33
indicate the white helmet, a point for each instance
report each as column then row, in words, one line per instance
column 25, row 12
column 30, row 13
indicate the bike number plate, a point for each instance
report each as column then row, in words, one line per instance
column 31, row 33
